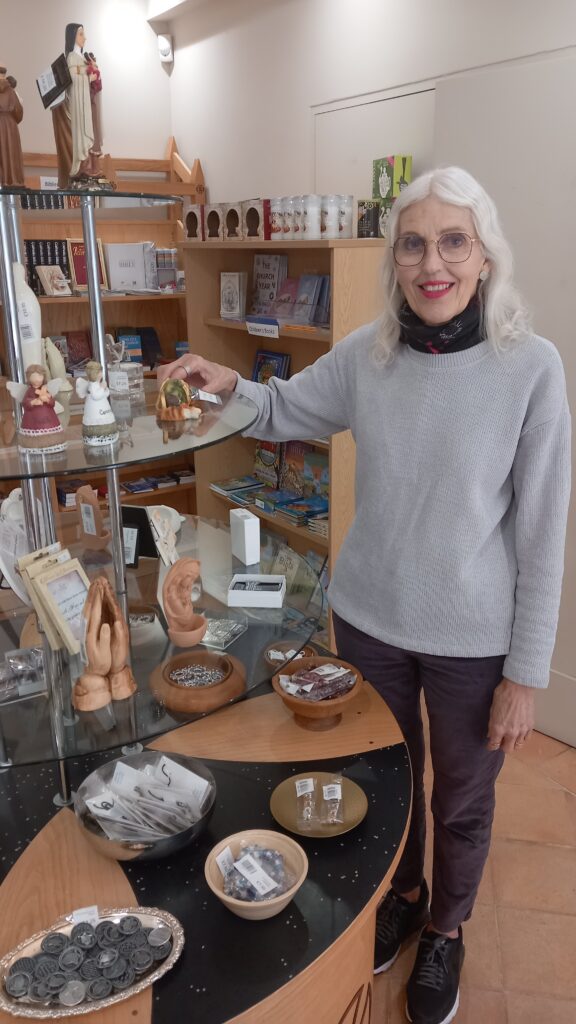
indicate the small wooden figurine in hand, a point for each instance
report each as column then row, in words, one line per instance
column 99, row 426
column 107, row 676
column 40, row 429
column 11, row 113
column 185, row 626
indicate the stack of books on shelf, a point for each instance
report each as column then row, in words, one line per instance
column 238, row 489
column 303, row 511
column 290, row 481
column 147, row 484
column 301, row 300
column 66, row 492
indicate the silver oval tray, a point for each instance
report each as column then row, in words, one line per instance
column 150, row 918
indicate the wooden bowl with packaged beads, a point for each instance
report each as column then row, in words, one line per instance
column 321, row 714
column 196, row 682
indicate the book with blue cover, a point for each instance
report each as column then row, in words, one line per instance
column 268, row 499
column 303, row 509
column 270, row 364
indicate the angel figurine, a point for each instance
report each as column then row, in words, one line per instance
column 99, row 426
column 40, row 429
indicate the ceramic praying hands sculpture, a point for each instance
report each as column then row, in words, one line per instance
column 107, row 676
column 185, row 626
column 99, row 426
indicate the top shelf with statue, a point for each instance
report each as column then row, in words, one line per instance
column 146, row 430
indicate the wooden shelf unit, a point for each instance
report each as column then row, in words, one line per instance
column 354, row 266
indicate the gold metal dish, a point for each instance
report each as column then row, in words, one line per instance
column 284, row 807
column 150, row 917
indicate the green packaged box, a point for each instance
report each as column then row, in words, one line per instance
column 390, row 174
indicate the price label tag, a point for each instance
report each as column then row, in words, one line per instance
column 225, row 861
column 88, row 519
column 304, row 786
column 333, row 791
column 204, row 396
column 118, row 380
column 254, row 874
column 263, row 329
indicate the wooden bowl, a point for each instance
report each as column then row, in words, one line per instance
column 294, row 857
column 322, row 714
column 287, row 645
column 198, row 699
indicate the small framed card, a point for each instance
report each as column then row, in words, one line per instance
column 53, row 281
column 64, row 590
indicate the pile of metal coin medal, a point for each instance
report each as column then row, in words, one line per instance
column 90, row 964
column 196, row 675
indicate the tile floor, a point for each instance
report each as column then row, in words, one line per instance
column 520, row 965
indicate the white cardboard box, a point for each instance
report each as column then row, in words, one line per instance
column 255, row 598
column 245, row 536
column 131, row 266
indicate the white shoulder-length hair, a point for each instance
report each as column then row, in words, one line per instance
column 505, row 319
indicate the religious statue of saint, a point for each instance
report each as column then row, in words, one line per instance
column 11, row 113
column 77, row 120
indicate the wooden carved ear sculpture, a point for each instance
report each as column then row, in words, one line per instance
column 107, row 676
column 185, row 626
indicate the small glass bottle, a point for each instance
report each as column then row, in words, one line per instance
column 330, row 216
column 288, row 217
column 298, row 224
column 311, row 217
column 276, row 219
column 346, row 216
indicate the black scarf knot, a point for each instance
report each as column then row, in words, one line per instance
column 459, row 333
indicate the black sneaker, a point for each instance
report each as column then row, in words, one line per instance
column 433, row 992
column 396, row 920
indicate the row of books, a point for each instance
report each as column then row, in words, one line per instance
column 139, row 345
column 52, row 200
column 66, row 490
column 293, row 465
column 57, row 267
column 297, row 300
column 286, row 505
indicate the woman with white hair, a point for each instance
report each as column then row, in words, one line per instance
column 449, row 579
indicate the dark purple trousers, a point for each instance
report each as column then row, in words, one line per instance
column 458, row 694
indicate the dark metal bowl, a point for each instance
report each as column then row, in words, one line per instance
column 148, row 850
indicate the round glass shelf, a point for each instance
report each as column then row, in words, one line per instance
column 152, row 198
column 142, row 437
column 25, row 725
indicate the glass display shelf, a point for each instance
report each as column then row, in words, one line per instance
column 25, row 724
column 143, row 438
column 94, row 193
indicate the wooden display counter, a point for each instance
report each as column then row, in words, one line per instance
column 313, row 962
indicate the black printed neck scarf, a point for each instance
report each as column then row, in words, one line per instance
column 461, row 332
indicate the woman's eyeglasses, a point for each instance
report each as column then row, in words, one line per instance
column 453, row 247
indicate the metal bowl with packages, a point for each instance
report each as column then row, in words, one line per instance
column 145, row 806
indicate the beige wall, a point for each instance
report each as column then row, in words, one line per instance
column 247, row 72
column 136, row 89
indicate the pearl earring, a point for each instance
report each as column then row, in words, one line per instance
column 483, row 275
